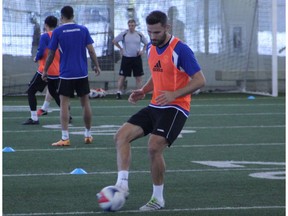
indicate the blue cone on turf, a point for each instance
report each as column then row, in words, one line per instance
column 78, row 171
column 8, row 149
column 251, row 97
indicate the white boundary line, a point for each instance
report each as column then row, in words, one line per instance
column 144, row 147
column 101, row 132
column 162, row 210
column 13, row 108
column 147, row 172
column 192, row 115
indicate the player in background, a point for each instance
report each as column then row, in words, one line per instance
column 175, row 75
column 37, row 84
column 72, row 40
column 36, row 34
column 131, row 55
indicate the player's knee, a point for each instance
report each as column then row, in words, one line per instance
column 119, row 137
column 154, row 149
column 31, row 91
column 156, row 145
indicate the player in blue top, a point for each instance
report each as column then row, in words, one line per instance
column 72, row 40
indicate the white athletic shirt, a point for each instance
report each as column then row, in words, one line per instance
column 131, row 42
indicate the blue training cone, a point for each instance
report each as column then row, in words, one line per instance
column 8, row 149
column 251, row 97
column 78, row 171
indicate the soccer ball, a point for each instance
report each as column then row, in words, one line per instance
column 97, row 93
column 111, row 198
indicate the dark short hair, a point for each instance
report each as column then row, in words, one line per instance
column 67, row 12
column 157, row 17
column 51, row 21
column 131, row 21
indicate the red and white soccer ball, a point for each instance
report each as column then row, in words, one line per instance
column 97, row 93
column 111, row 198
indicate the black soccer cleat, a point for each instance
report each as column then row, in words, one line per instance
column 118, row 96
column 30, row 122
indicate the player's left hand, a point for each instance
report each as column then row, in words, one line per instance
column 140, row 53
column 97, row 70
column 44, row 76
column 165, row 97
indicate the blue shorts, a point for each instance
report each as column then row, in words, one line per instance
column 166, row 122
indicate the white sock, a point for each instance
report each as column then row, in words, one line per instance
column 34, row 115
column 65, row 135
column 122, row 179
column 158, row 192
column 45, row 105
column 87, row 133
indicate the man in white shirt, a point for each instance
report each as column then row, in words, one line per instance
column 131, row 55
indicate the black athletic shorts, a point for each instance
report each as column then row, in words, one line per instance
column 166, row 122
column 129, row 64
column 68, row 87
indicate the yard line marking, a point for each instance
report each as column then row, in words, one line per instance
column 192, row 114
column 236, row 164
column 112, row 132
column 236, row 127
column 21, row 108
column 269, row 175
column 279, row 175
column 226, row 208
column 146, row 172
column 145, row 147
column 227, row 145
column 235, row 114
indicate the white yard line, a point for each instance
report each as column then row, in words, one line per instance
column 148, row 172
column 145, row 147
column 214, row 209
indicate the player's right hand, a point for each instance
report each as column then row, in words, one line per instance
column 136, row 95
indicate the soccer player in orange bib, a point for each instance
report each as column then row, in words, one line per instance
column 37, row 84
column 175, row 75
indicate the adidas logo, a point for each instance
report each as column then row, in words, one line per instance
column 157, row 67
